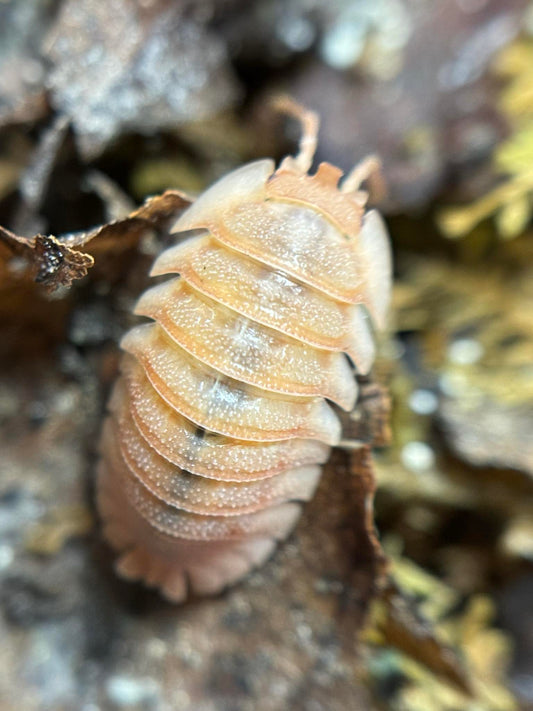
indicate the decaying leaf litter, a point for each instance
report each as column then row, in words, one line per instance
column 446, row 624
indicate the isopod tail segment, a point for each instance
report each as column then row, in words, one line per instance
column 223, row 413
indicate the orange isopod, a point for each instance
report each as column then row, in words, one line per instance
column 219, row 422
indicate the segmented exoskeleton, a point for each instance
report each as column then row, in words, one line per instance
column 219, row 422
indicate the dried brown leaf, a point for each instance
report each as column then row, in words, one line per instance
column 404, row 627
column 337, row 543
column 371, row 562
column 368, row 425
column 153, row 214
column 58, row 261
column 369, row 422
column 445, row 655
column 162, row 207
column 58, row 265
column 53, row 263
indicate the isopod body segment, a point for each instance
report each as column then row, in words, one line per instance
column 225, row 407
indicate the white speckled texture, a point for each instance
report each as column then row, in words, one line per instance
column 218, row 403
column 244, row 349
column 265, row 295
column 220, row 421
column 207, row 454
column 297, row 240
column 198, row 494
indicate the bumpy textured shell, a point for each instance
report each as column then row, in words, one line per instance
column 219, row 422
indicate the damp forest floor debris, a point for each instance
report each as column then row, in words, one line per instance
column 408, row 584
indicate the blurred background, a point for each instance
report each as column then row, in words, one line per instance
column 105, row 103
